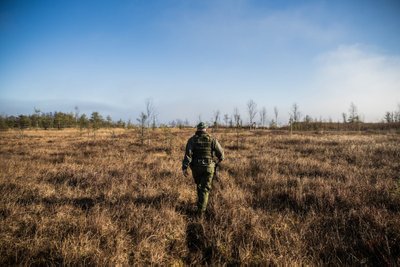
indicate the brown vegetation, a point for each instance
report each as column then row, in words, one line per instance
column 69, row 198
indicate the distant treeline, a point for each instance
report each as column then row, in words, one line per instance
column 351, row 121
column 343, row 126
column 59, row 120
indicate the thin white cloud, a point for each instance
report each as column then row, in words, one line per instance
column 240, row 28
column 354, row 73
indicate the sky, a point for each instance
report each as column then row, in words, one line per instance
column 194, row 57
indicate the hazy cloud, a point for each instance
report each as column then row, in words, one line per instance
column 356, row 73
column 238, row 27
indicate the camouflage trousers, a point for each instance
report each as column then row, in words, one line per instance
column 203, row 176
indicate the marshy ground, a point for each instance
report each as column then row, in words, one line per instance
column 69, row 197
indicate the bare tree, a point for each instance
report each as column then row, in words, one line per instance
column 216, row 118
column 238, row 121
column 389, row 117
column 252, row 110
column 263, row 116
column 230, row 122
column 76, row 114
column 129, row 124
column 151, row 113
column 36, row 118
column 154, row 119
column 179, row 123
column 295, row 113
column 344, row 116
column 142, row 121
column 353, row 113
column 186, row 123
column 226, row 119
column 109, row 121
column 236, row 117
column 276, row 115
column 150, row 110
column 307, row 119
column 397, row 114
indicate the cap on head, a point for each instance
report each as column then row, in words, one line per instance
column 201, row 126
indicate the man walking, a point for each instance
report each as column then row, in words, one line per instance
column 201, row 152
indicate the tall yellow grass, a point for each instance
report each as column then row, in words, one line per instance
column 67, row 197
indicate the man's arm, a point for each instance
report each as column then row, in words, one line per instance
column 219, row 152
column 187, row 159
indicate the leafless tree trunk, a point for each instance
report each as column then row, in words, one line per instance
column 236, row 117
column 353, row 113
column 76, row 115
column 389, row 117
column 154, row 116
column 344, row 116
column 150, row 110
column 142, row 121
column 263, row 116
column 216, row 118
column 226, row 119
column 397, row 114
column 276, row 115
column 37, row 117
column 252, row 110
column 295, row 113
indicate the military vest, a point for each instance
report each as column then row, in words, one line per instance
column 202, row 147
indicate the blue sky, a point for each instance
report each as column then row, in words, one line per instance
column 194, row 57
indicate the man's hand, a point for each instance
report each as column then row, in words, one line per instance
column 185, row 172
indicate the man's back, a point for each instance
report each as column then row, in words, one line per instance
column 201, row 151
column 202, row 147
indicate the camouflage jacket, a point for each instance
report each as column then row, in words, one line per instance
column 216, row 149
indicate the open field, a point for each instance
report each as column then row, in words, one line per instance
column 69, row 198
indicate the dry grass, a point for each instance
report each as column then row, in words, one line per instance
column 67, row 198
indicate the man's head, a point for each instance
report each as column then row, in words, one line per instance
column 201, row 127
